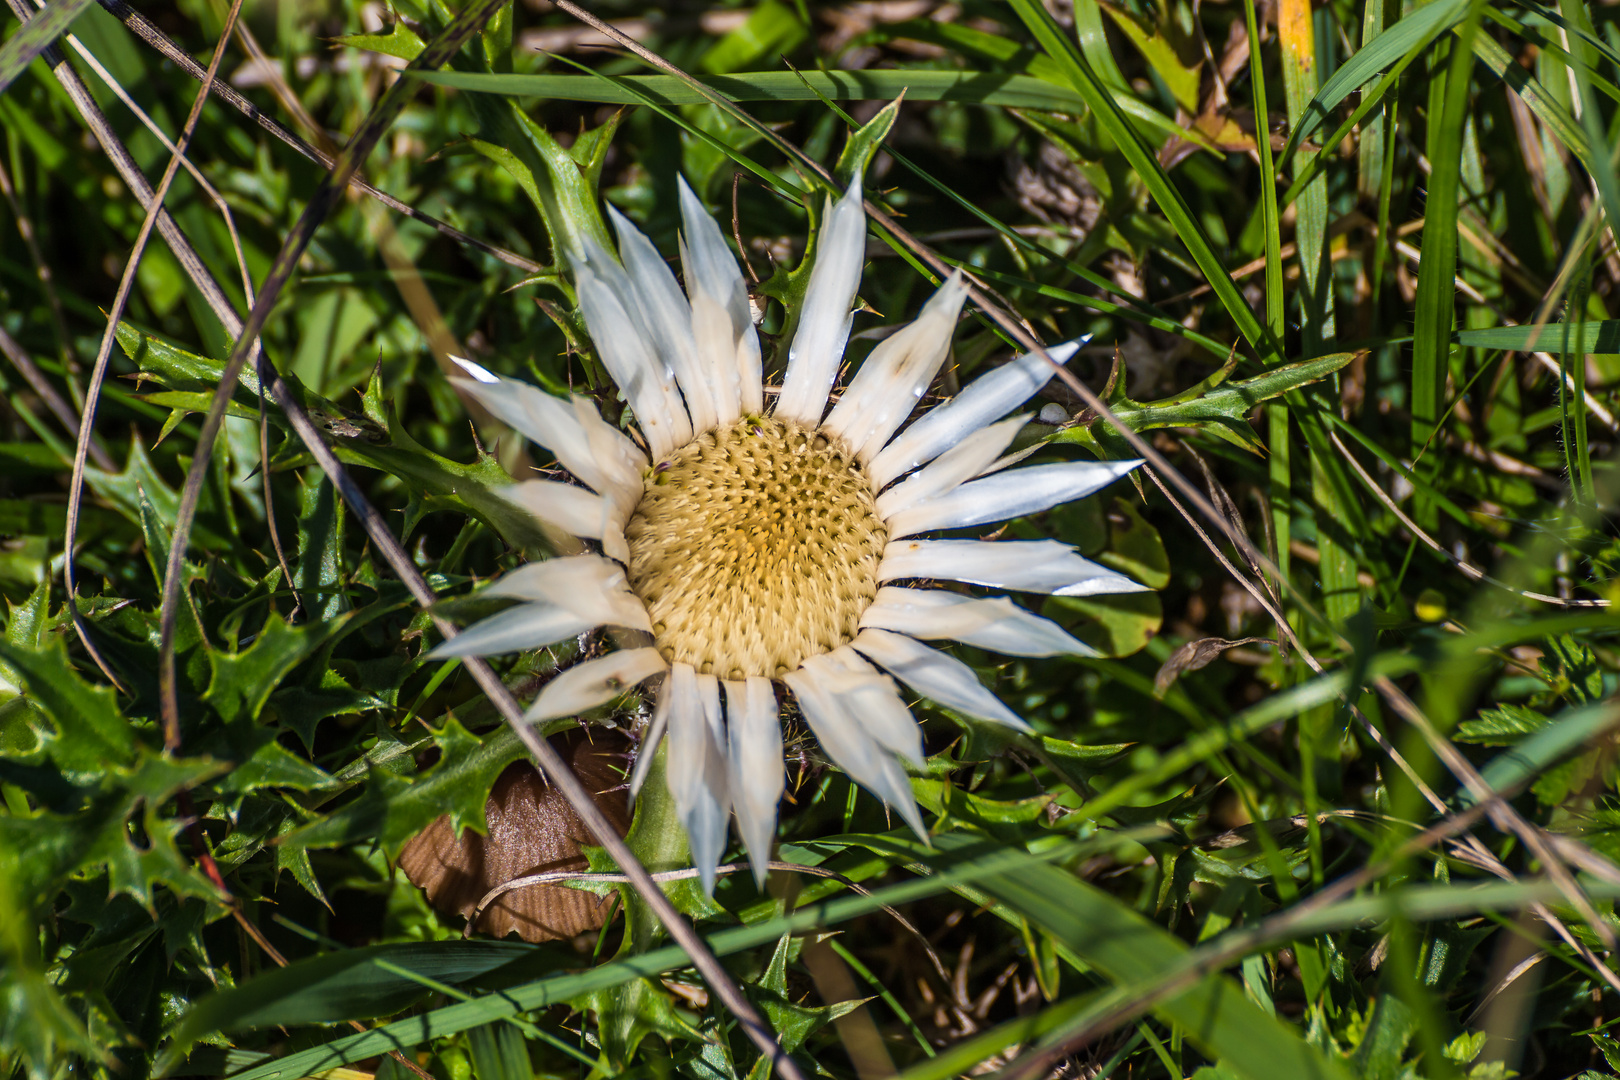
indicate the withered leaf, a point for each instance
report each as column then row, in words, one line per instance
column 1192, row 656
column 532, row 830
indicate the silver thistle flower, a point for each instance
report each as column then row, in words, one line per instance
column 756, row 546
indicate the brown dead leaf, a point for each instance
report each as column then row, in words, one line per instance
column 1194, row 655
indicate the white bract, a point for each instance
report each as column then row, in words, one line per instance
column 755, row 546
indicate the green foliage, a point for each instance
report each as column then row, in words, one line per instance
column 1407, row 274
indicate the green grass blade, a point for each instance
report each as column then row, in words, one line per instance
column 1548, row 109
column 1409, row 37
column 1572, row 384
column 1436, row 305
column 1279, row 462
column 36, row 36
column 980, row 45
column 1601, row 336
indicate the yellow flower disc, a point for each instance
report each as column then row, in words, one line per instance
column 754, row 546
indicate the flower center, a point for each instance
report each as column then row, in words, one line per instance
column 754, row 546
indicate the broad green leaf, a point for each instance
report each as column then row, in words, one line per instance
column 773, row 29
column 1134, row 546
column 1119, row 625
column 28, row 457
column 1175, row 55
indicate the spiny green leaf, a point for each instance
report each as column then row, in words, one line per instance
column 242, row 682
column 446, row 485
column 1566, row 732
column 273, row 765
column 946, row 800
column 563, row 193
column 792, row 1022
column 392, row 809
column 400, row 41
column 26, row 623
column 301, row 708
column 178, row 369
column 34, row 1019
column 43, row 849
column 1502, row 726
column 628, row 1013
column 91, row 733
column 318, row 571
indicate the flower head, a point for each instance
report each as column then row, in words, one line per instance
column 753, row 546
